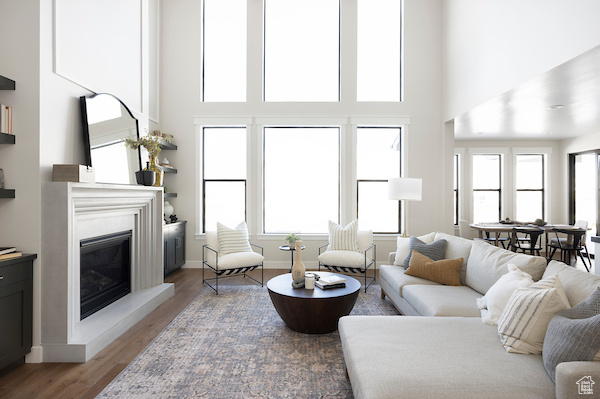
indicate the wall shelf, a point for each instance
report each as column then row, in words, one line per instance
column 170, row 195
column 7, row 193
column 169, row 170
column 168, row 146
column 7, row 138
column 6, row 83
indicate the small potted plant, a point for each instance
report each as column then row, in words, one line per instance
column 291, row 239
column 152, row 144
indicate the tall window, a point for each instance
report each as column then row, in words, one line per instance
column 529, row 184
column 456, row 171
column 584, row 194
column 378, row 50
column 378, row 158
column 224, row 176
column 301, row 179
column 302, row 50
column 224, row 50
column 487, row 183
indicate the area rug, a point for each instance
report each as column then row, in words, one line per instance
column 235, row 345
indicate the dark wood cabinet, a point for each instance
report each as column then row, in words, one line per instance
column 174, row 246
column 16, row 309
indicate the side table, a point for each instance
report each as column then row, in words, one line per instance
column 292, row 249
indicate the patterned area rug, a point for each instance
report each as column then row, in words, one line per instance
column 235, row 345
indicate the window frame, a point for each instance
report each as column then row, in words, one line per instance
column 499, row 190
column 541, row 190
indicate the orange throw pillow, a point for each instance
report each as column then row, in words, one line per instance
column 445, row 271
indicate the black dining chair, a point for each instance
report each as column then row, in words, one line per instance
column 527, row 240
column 573, row 244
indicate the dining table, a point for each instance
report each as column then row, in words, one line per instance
column 497, row 228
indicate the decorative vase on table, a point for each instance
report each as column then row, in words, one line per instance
column 157, row 170
column 298, row 269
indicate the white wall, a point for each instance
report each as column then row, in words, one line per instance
column 493, row 46
column 180, row 103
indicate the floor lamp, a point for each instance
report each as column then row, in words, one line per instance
column 404, row 189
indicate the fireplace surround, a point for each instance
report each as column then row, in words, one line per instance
column 76, row 212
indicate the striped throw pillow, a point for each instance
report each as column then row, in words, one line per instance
column 233, row 240
column 524, row 321
column 343, row 238
column 435, row 251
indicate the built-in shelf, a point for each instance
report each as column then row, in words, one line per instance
column 6, row 83
column 7, row 138
column 168, row 146
column 170, row 195
column 169, row 170
column 7, row 193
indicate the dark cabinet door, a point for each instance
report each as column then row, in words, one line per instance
column 174, row 246
column 16, row 311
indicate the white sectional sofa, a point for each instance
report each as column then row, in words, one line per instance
column 422, row 354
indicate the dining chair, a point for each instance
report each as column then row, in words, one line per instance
column 582, row 224
column 527, row 240
column 571, row 243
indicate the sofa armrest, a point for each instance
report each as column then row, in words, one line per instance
column 391, row 258
column 573, row 376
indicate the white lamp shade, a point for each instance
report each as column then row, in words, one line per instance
column 405, row 188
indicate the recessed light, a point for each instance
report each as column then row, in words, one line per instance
column 479, row 132
column 556, row 106
column 549, row 133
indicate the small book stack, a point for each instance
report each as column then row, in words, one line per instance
column 9, row 253
column 329, row 282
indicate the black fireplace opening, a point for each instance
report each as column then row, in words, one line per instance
column 105, row 267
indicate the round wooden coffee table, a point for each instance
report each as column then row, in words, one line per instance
column 314, row 311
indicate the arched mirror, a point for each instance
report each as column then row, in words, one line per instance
column 106, row 122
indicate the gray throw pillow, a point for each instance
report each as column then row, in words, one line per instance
column 434, row 251
column 572, row 334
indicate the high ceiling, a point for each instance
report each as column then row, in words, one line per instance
column 559, row 104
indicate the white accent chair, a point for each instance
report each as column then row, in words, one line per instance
column 231, row 264
column 351, row 261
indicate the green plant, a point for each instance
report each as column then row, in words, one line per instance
column 149, row 142
column 291, row 238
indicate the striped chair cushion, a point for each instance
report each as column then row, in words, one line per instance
column 343, row 238
column 233, row 240
column 524, row 321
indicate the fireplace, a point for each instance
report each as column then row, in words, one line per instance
column 105, row 263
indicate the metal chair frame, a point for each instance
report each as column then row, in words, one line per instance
column 527, row 243
column 225, row 273
column 567, row 248
column 348, row 269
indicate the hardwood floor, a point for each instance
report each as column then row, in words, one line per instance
column 86, row 380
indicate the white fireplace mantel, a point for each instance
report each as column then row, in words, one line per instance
column 76, row 211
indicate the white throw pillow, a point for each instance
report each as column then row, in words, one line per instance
column 365, row 239
column 402, row 247
column 233, row 240
column 343, row 238
column 343, row 258
column 523, row 324
column 494, row 301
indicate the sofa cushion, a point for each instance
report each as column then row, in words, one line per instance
column 494, row 301
column 402, row 247
column 396, row 277
column 578, row 285
column 236, row 260
column 436, row 250
column 435, row 357
column 442, row 300
column 343, row 258
column 523, row 324
column 487, row 263
column 573, row 334
column 445, row 271
column 457, row 247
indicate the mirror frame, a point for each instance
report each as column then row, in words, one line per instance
column 86, row 128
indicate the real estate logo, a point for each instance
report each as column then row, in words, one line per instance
column 585, row 386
